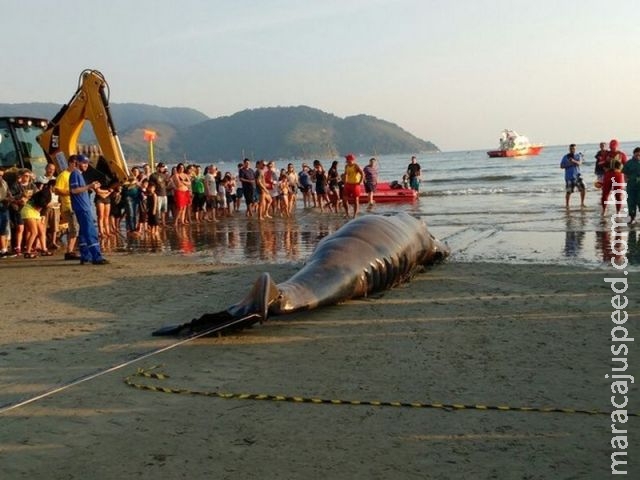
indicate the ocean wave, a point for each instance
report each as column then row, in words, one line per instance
column 490, row 191
column 474, row 179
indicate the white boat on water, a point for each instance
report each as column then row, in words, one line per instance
column 512, row 144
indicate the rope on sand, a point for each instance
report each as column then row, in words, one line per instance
column 11, row 406
column 147, row 373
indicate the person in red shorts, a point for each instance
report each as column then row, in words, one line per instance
column 181, row 192
column 353, row 176
column 612, row 163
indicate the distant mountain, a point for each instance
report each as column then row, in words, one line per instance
column 293, row 132
column 274, row 132
column 126, row 116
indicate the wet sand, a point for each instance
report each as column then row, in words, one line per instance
column 459, row 333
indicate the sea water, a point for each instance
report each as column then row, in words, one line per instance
column 487, row 209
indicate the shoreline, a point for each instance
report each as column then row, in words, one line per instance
column 472, row 333
column 575, row 238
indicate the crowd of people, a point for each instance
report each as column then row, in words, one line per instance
column 37, row 213
column 615, row 177
column 33, row 209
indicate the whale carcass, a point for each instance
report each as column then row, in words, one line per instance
column 366, row 255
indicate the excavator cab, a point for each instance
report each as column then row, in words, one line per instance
column 19, row 147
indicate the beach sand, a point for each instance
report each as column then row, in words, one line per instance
column 459, row 333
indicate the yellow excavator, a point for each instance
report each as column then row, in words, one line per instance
column 59, row 140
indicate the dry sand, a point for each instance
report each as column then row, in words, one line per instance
column 520, row 335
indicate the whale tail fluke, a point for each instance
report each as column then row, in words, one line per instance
column 208, row 324
column 258, row 300
column 253, row 308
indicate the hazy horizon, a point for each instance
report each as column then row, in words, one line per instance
column 453, row 73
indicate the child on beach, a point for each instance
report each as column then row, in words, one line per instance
column 223, row 206
column 151, row 202
column 283, row 194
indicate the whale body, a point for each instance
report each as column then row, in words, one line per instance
column 366, row 255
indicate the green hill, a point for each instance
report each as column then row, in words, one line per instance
column 290, row 132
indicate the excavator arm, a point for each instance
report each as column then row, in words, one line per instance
column 90, row 103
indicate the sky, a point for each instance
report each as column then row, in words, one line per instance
column 454, row 72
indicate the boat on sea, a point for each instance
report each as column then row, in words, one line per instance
column 512, row 144
column 390, row 192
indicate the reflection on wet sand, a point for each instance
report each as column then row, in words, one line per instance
column 236, row 239
column 240, row 240
column 633, row 251
column 574, row 235
column 612, row 246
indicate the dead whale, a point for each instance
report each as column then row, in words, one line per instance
column 366, row 255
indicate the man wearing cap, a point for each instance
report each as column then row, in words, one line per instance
column 66, row 212
column 613, row 162
column 81, row 204
column 353, row 176
column 160, row 179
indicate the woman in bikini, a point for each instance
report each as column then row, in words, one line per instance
column 181, row 183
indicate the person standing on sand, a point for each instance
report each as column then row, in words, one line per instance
column 152, row 205
column 247, row 179
column 264, row 201
column 210, row 193
column 414, row 173
column 52, row 212
column 304, row 182
column 81, row 204
column 161, row 179
column 353, row 176
column 22, row 190
column 599, row 168
column 181, row 183
column 66, row 212
column 292, row 176
column 5, row 200
column 612, row 163
column 571, row 164
column 631, row 170
column 333, row 178
column 371, row 180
